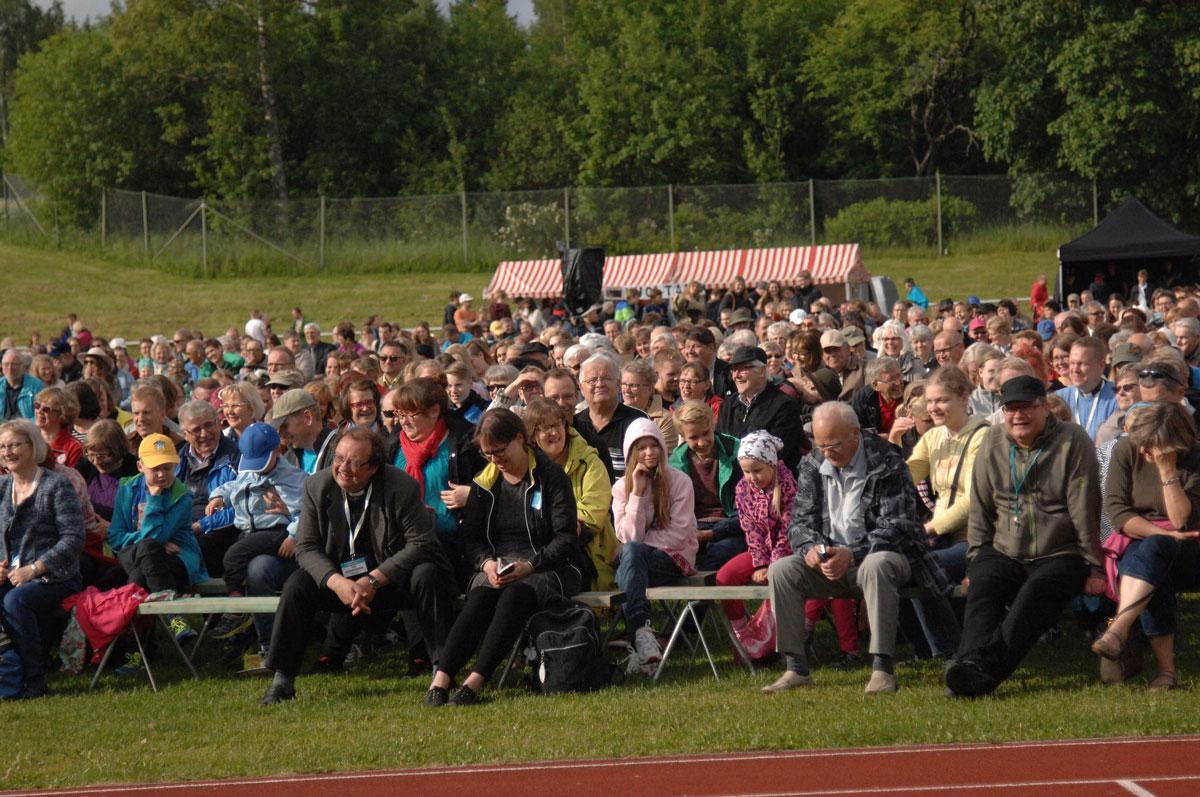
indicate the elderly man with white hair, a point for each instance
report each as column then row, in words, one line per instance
column 855, row 534
column 605, row 420
column 320, row 350
column 17, row 388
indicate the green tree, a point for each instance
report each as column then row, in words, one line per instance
column 894, row 78
column 23, row 26
column 78, row 126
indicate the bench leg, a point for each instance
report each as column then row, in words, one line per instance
column 512, row 658
column 166, row 627
column 142, row 650
column 103, row 663
column 208, row 621
column 687, row 611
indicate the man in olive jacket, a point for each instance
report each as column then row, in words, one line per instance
column 1033, row 536
column 365, row 541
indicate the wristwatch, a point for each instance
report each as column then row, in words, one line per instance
column 374, row 582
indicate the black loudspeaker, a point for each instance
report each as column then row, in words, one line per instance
column 583, row 278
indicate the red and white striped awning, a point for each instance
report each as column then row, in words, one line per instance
column 637, row 271
column 832, row 264
column 532, row 279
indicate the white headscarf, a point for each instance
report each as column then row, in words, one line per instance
column 760, row 445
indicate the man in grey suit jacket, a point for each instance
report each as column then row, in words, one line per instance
column 365, row 541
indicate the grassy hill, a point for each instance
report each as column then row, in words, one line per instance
column 41, row 285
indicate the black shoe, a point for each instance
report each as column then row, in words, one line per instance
column 465, row 696
column 848, row 661
column 437, row 696
column 968, row 678
column 277, row 693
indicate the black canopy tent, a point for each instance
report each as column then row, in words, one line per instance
column 1128, row 239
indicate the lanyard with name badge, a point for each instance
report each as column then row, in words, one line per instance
column 356, row 565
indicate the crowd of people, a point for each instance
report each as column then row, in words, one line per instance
column 952, row 475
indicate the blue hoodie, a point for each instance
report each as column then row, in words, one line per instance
column 167, row 517
column 245, row 497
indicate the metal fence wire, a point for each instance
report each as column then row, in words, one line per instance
column 476, row 230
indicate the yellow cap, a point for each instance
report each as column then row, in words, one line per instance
column 157, row 449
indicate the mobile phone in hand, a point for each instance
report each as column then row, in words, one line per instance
column 503, row 567
column 823, row 553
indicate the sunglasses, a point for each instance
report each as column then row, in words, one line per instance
column 1148, row 376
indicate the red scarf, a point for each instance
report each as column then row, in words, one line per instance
column 417, row 454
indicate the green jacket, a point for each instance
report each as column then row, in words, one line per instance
column 729, row 472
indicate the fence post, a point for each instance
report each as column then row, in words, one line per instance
column 567, row 218
column 812, row 209
column 1095, row 203
column 466, row 251
column 103, row 217
column 321, row 242
column 145, row 226
column 204, row 237
column 937, row 175
column 671, row 213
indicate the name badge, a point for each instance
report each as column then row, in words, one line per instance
column 352, row 568
column 535, row 501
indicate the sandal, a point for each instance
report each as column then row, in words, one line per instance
column 1162, row 682
column 1109, row 645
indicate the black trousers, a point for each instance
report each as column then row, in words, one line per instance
column 148, row 563
column 424, row 589
column 237, row 558
column 1035, row 596
column 491, row 620
column 213, row 546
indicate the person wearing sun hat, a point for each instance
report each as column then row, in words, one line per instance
column 151, row 528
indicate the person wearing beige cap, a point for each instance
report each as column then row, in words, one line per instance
column 297, row 416
column 836, row 354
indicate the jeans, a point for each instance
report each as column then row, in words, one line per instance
column 728, row 541
column 953, row 559
column 939, row 623
column 1011, row 604
column 24, row 609
column 265, row 575
column 642, row 566
column 1170, row 566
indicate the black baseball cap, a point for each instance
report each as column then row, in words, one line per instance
column 1022, row 388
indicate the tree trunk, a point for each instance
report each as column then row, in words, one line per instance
column 271, row 112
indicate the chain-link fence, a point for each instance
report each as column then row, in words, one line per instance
column 474, row 231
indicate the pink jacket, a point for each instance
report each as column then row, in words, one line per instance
column 634, row 515
column 766, row 532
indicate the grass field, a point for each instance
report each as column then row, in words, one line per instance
column 41, row 285
column 372, row 719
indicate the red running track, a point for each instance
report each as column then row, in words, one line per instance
column 1146, row 767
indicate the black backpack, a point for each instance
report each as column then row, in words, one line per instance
column 567, row 656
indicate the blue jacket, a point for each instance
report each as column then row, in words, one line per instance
column 1089, row 411
column 245, row 496
column 137, row 516
column 222, row 468
column 30, row 387
column 917, row 297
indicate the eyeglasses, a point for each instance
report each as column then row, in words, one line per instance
column 633, row 386
column 390, row 358
column 12, row 446
column 1129, row 388
column 1013, row 407
column 403, row 417
column 597, row 380
column 361, row 405
column 348, row 464
column 39, row 407
column 944, row 351
column 692, row 382
column 493, row 453
column 830, row 446
column 495, row 387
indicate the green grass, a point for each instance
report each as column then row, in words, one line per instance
column 214, row 727
column 128, row 298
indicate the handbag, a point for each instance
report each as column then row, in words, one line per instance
column 757, row 636
column 1113, row 549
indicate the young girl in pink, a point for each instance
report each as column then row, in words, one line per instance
column 764, row 499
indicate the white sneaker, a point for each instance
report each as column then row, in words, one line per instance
column 645, row 645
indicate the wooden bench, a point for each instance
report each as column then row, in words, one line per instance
column 212, row 600
column 692, row 591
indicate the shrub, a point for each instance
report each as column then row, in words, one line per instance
column 887, row 223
